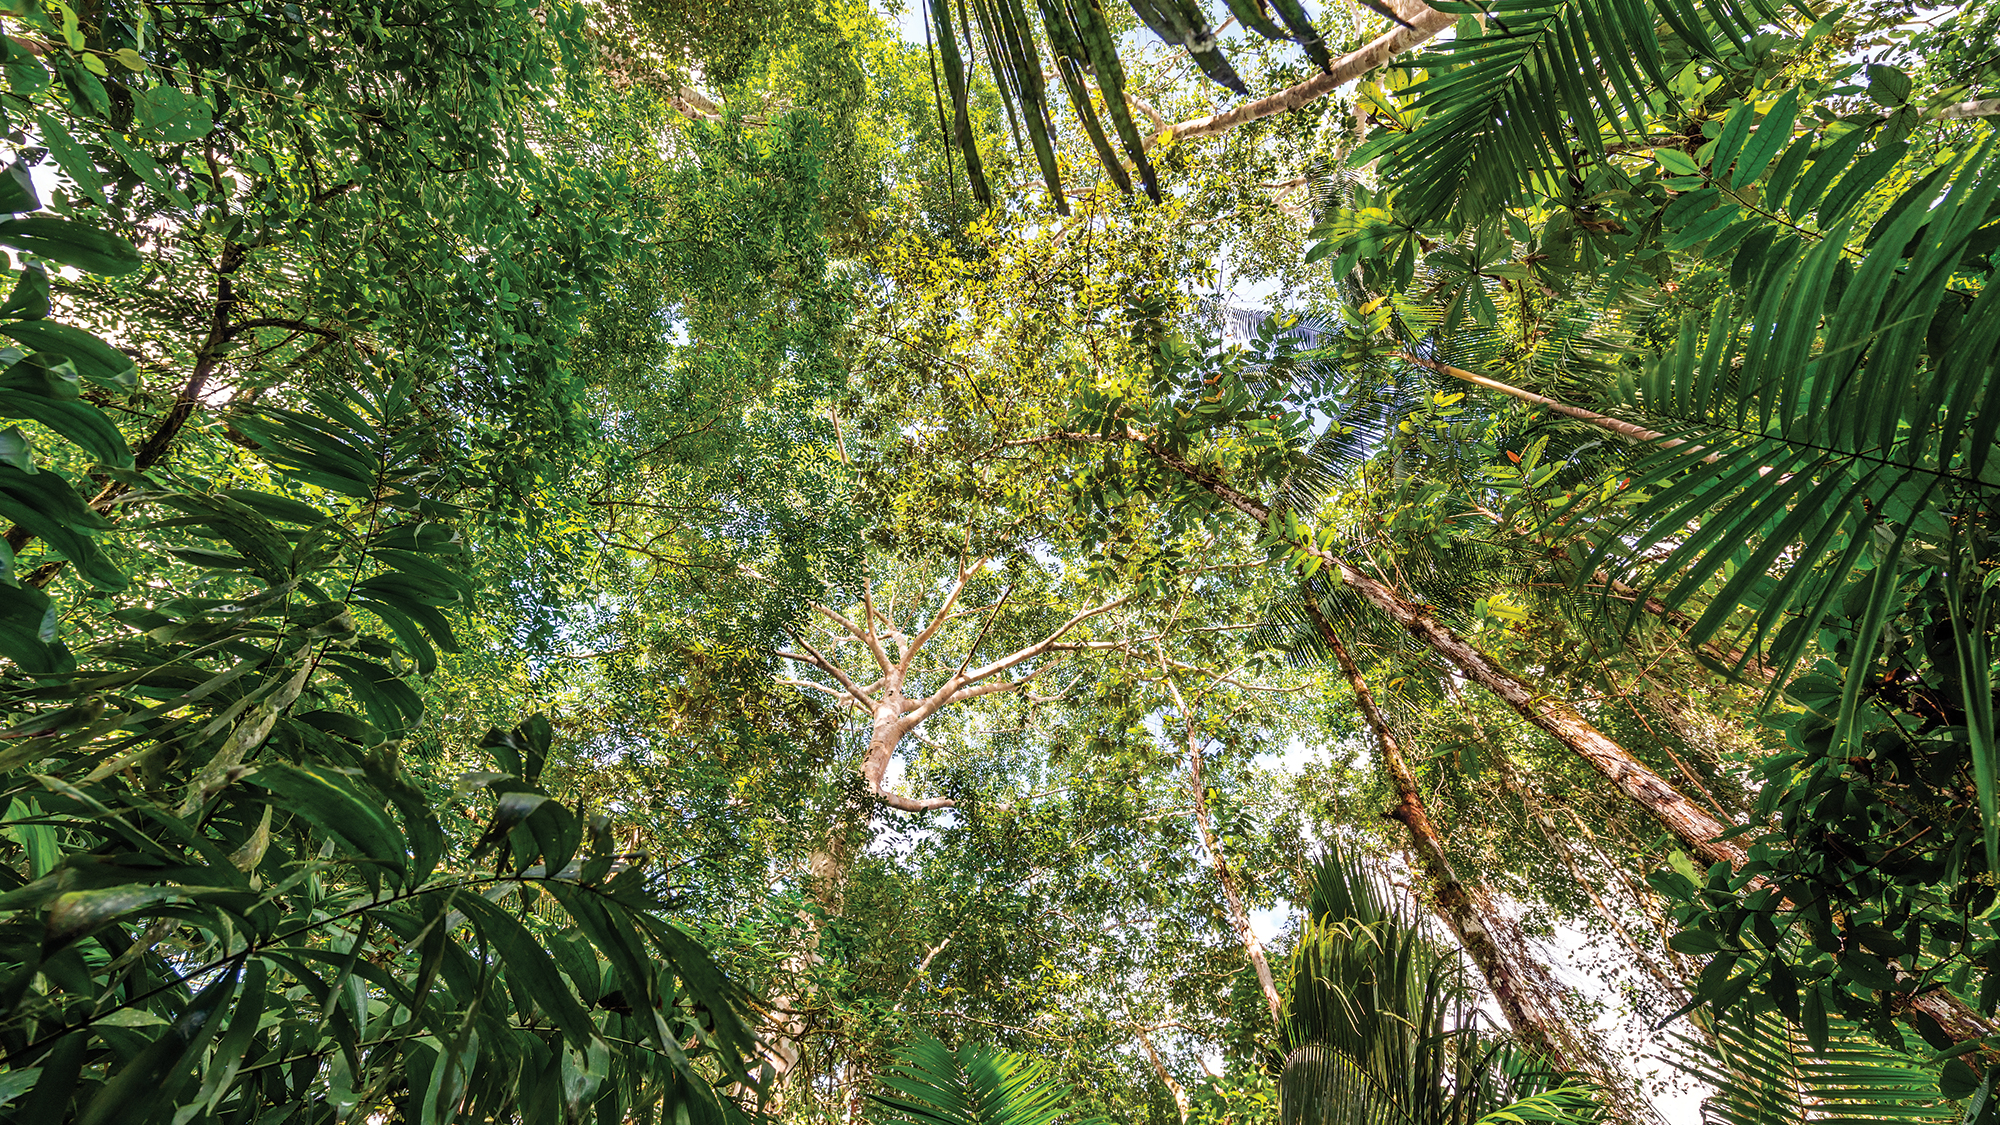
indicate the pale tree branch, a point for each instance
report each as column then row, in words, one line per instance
column 983, row 630
column 943, row 615
column 1960, row 111
column 841, row 620
column 952, row 688
column 912, row 804
column 812, row 656
column 997, row 686
column 1423, row 23
column 841, row 694
column 874, row 615
column 1231, row 680
column 1046, row 644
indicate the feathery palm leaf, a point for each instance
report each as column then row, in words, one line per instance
column 973, row 1085
column 1766, row 1073
column 1510, row 103
column 1845, row 423
column 1080, row 42
column 1379, row 1024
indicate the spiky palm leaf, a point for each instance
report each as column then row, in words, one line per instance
column 1379, row 1024
column 1078, row 38
column 972, row 1085
column 1763, row 1072
column 1839, row 421
column 1509, row 105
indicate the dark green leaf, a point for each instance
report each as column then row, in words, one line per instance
column 82, row 245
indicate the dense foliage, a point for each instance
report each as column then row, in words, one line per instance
column 628, row 562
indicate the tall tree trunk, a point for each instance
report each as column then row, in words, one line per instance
column 1174, row 1088
column 827, row 869
column 1239, row 916
column 1696, row 830
column 1693, row 826
column 1521, row 990
column 1533, row 805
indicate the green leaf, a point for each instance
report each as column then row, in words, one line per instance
column 76, row 244
column 172, row 116
column 30, row 297
column 28, row 630
column 1696, row 941
column 76, row 913
column 955, row 85
column 335, row 805
column 1677, row 162
column 391, row 705
column 94, row 359
column 17, row 190
column 1771, row 134
column 16, row 450
column 51, row 396
column 156, row 1073
column 71, row 156
column 529, row 966
column 45, row 505
column 1887, row 85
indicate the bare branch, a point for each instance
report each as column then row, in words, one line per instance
column 1959, row 111
column 997, row 686
column 923, row 636
column 912, row 804
column 1423, row 23
column 840, row 619
column 814, row 658
column 983, row 630
column 845, row 697
column 1047, row 643
column 874, row 615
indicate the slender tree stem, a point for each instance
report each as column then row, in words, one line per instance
column 1690, row 824
column 1468, row 910
column 1239, row 916
column 1422, row 24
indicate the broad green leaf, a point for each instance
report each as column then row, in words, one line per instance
column 94, row 359
column 82, row 245
column 335, row 805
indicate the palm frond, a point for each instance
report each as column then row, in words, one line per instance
column 1830, row 428
column 1081, row 43
column 1380, row 1023
column 1512, row 102
column 961, row 113
column 1764, row 1072
column 972, row 1085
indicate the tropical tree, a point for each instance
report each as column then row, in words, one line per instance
column 1682, row 219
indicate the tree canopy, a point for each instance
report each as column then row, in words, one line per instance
column 1147, row 562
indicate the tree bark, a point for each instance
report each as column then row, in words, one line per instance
column 1686, row 821
column 151, row 451
column 1960, row 111
column 1174, row 1088
column 1239, row 916
column 1423, row 23
column 1467, row 909
column 1617, row 426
